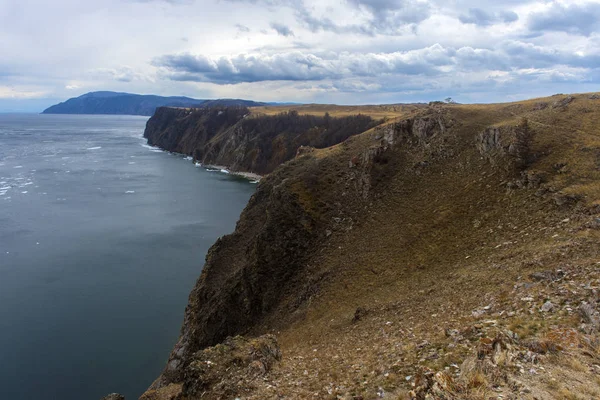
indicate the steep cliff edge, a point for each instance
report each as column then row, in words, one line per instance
column 422, row 258
column 242, row 141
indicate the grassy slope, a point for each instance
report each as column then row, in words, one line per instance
column 437, row 257
column 438, row 245
column 375, row 111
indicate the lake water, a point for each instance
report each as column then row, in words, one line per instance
column 101, row 240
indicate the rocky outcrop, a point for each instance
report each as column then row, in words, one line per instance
column 495, row 143
column 233, row 137
column 114, row 396
column 563, row 102
column 424, row 132
column 223, row 370
column 413, row 131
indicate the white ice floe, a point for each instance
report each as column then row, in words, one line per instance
column 94, row 148
column 18, row 166
column 254, row 181
column 24, row 192
column 224, row 171
column 130, row 191
column 5, row 187
column 131, row 162
column 188, row 158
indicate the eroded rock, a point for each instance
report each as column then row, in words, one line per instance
column 114, row 396
column 226, row 370
column 563, row 102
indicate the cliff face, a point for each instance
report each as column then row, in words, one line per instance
column 397, row 253
column 233, row 137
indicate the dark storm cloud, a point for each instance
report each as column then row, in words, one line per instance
column 579, row 19
column 282, row 29
column 481, row 17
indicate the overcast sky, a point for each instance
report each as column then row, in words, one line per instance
column 334, row 51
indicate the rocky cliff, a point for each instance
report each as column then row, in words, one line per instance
column 422, row 258
column 242, row 141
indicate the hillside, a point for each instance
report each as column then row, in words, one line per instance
column 248, row 141
column 451, row 252
column 133, row 104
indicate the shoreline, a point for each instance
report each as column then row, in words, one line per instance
column 221, row 168
column 251, row 176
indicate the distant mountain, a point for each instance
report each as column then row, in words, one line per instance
column 134, row 104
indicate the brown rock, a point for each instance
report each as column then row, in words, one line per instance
column 114, row 396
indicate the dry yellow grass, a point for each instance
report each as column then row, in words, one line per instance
column 374, row 111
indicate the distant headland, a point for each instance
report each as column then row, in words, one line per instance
column 117, row 103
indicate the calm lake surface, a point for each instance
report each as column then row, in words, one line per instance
column 101, row 240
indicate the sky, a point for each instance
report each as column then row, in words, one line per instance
column 318, row 51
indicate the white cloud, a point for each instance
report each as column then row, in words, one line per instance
column 300, row 50
column 20, row 93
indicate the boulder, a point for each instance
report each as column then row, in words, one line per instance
column 563, row 102
column 114, row 396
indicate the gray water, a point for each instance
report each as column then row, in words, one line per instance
column 101, row 240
